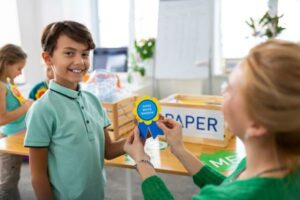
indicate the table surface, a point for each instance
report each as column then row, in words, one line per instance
column 163, row 160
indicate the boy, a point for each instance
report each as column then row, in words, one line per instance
column 66, row 127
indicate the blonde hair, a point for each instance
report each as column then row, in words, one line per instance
column 9, row 55
column 271, row 92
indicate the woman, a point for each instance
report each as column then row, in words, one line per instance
column 262, row 108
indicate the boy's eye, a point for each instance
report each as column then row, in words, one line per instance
column 69, row 53
column 85, row 55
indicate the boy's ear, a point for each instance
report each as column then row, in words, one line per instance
column 47, row 59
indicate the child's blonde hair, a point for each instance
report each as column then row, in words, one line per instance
column 271, row 92
column 9, row 55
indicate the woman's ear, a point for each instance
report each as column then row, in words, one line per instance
column 47, row 58
column 255, row 130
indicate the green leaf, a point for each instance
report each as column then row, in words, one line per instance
column 269, row 33
column 142, row 71
column 265, row 26
column 145, row 48
column 263, row 18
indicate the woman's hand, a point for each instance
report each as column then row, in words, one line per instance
column 134, row 146
column 173, row 133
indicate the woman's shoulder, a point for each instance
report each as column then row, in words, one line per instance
column 253, row 188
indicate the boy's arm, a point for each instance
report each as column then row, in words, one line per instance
column 39, row 173
column 113, row 149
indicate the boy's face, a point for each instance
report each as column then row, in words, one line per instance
column 69, row 62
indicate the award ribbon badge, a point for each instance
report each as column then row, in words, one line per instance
column 147, row 113
column 17, row 93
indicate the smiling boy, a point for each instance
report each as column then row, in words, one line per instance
column 66, row 127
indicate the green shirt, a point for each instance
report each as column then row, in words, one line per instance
column 12, row 103
column 70, row 124
column 217, row 187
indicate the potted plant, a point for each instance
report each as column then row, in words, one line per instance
column 145, row 48
column 136, row 72
column 141, row 60
column 267, row 26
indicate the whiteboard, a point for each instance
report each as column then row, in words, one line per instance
column 184, row 39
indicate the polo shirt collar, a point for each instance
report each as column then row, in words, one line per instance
column 72, row 94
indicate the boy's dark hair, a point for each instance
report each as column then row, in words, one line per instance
column 74, row 30
column 10, row 54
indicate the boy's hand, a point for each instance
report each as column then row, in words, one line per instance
column 134, row 146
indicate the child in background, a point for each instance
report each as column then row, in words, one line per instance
column 39, row 89
column 13, row 108
column 66, row 127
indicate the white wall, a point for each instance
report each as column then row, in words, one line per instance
column 34, row 15
column 165, row 88
column 29, row 20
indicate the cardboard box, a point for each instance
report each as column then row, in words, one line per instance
column 121, row 117
column 201, row 117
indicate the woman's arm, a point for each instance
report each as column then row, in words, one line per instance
column 113, row 149
column 201, row 175
column 38, row 158
column 153, row 187
column 7, row 117
column 173, row 133
column 190, row 162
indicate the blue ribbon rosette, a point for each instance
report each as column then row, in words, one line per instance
column 147, row 113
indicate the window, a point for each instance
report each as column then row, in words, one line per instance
column 146, row 17
column 236, row 36
column 115, row 24
column 9, row 22
column 10, row 27
column 290, row 19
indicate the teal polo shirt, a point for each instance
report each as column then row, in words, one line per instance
column 12, row 103
column 71, row 125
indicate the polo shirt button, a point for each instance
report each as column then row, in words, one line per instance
column 87, row 121
column 82, row 107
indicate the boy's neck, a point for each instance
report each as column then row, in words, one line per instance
column 72, row 87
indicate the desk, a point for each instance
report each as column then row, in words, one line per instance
column 163, row 160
